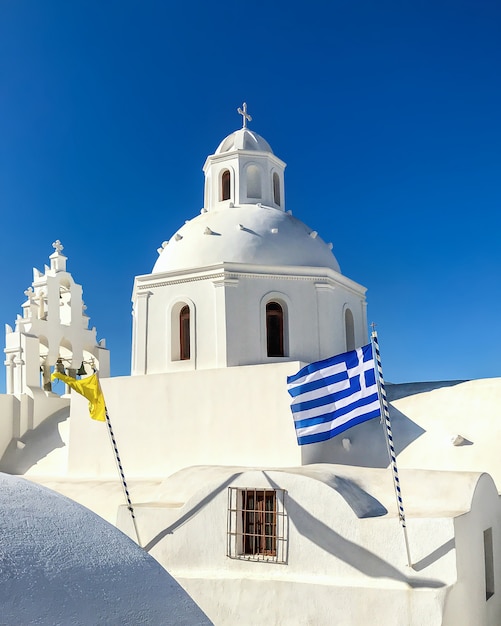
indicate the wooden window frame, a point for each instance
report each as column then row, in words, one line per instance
column 275, row 344
column 257, row 525
column 184, row 333
column 259, row 522
column 225, row 185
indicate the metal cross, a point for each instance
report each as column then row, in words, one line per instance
column 57, row 245
column 244, row 114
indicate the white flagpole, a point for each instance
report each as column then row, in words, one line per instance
column 385, row 414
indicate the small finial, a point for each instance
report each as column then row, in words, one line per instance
column 245, row 116
column 373, row 326
column 57, row 245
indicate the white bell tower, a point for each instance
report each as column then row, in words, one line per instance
column 53, row 330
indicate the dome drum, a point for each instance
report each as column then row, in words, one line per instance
column 253, row 177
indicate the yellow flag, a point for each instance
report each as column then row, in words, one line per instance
column 89, row 388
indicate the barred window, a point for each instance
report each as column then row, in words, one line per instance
column 257, row 524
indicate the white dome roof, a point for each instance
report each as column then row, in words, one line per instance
column 250, row 234
column 244, row 139
column 64, row 564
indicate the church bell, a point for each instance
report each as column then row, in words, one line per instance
column 81, row 370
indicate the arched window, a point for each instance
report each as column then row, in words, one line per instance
column 274, row 329
column 276, row 188
column 184, row 333
column 349, row 326
column 225, row 185
column 65, row 303
column 253, row 182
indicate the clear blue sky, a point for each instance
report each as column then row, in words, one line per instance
column 388, row 115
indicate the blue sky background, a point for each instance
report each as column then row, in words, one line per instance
column 387, row 113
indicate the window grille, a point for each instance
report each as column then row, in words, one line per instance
column 257, row 525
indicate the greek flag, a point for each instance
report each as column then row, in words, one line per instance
column 332, row 395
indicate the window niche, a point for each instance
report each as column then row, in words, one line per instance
column 181, row 329
column 253, row 175
column 276, row 189
column 184, row 333
column 349, row 326
column 488, row 563
column 225, row 185
column 275, row 345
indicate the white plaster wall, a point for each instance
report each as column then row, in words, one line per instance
column 104, row 497
column 286, row 603
column 167, row 421
column 9, row 412
column 213, row 177
column 237, row 162
column 267, row 164
column 23, row 413
column 340, row 568
column 209, row 344
column 45, row 405
column 228, row 312
column 467, row 603
column 471, row 409
column 425, row 418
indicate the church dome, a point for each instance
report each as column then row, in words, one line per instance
column 244, row 139
column 252, row 234
column 63, row 564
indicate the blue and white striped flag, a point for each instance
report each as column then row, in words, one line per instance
column 332, row 395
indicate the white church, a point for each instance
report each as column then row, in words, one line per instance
column 254, row 528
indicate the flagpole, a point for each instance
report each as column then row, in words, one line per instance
column 385, row 412
column 122, row 476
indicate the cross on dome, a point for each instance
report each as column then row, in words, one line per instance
column 245, row 116
column 57, row 245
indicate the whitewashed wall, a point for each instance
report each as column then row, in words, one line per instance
column 426, row 420
column 341, row 568
column 227, row 305
column 164, row 422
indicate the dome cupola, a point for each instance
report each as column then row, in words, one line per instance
column 244, row 170
column 244, row 139
column 244, row 218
